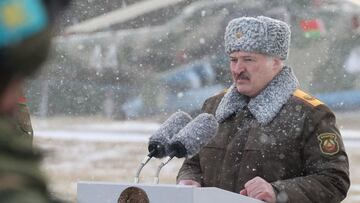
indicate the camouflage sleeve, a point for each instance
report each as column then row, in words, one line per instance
column 20, row 177
column 326, row 166
column 23, row 122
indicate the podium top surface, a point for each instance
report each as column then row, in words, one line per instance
column 106, row 192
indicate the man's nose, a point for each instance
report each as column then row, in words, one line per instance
column 239, row 67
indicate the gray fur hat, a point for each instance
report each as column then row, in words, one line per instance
column 259, row 35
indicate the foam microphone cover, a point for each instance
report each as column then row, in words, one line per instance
column 194, row 136
column 167, row 130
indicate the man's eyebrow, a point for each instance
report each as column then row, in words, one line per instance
column 246, row 56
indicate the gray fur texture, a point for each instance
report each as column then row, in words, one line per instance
column 197, row 133
column 264, row 106
column 170, row 127
column 231, row 103
column 259, row 35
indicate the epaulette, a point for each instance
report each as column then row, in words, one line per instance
column 221, row 92
column 307, row 98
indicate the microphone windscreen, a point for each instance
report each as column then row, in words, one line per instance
column 167, row 130
column 197, row 133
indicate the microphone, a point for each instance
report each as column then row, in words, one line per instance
column 167, row 130
column 161, row 138
column 189, row 141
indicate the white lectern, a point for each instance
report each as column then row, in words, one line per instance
column 102, row 192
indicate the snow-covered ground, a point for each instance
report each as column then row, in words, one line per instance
column 112, row 131
column 104, row 150
column 136, row 131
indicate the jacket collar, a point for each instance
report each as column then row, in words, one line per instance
column 264, row 106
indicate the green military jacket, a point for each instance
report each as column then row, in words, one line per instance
column 299, row 150
column 23, row 121
column 21, row 181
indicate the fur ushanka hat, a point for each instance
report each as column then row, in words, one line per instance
column 259, row 35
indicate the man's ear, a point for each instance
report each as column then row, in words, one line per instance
column 277, row 64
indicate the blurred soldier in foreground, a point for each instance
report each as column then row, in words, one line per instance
column 22, row 118
column 25, row 31
column 275, row 142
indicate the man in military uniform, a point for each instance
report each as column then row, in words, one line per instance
column 25, row 30
column 275, row 142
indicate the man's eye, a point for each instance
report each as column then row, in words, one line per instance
column 233, row 60
column 248, row 59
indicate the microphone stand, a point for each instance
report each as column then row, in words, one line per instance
column 177, row 149
column 163, row 163
column 142, row 164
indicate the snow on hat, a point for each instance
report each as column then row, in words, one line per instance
column 260, row 35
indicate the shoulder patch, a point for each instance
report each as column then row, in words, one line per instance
column 307, row 97
column 328, row 143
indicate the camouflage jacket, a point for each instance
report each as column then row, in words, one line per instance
column 22, row 119
column 20, row 178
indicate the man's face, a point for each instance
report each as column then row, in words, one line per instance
column 251, row 72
